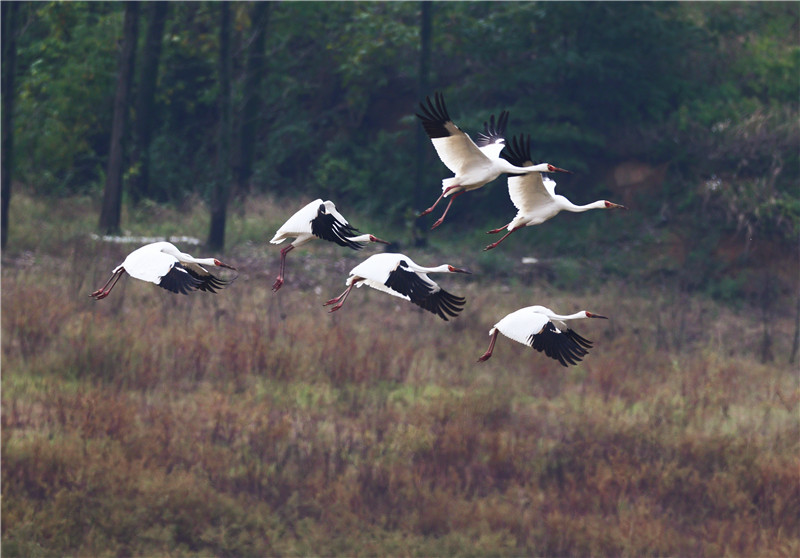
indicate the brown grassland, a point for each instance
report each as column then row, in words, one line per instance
column 249, row 423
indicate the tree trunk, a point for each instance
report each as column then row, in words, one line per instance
column 9, row 46
column 422, row 143
column 139, row 184
column 219, row 194
column 256, row 66
column 796, row 340
column 112, row 196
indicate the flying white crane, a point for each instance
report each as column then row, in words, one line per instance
column 534, row 195
column 544, row 330
column 473, row 163
column 169, row 268
column 318, row 219
column 399, row 276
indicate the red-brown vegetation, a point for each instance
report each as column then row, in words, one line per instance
column 253, row 424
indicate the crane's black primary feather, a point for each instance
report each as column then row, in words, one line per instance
column 492, row 132
column 420, row 292
column 434, row 117
column 327, row 227
column 518, row 152
column 208, row 282
column 563, row 347
column 178, row 280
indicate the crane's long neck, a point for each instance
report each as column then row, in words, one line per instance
column 360, row 238
column 569, row 206
column 513, row 169
column 575, row 316
column 186, row 258
column 444, row 268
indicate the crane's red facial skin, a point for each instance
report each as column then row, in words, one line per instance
column 457, row 270
column 553, row 168
column 610, row 205
column 376, row 239
column 220, row 264
column 590, row 315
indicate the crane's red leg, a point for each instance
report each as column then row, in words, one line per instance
column 279, row 281
column 495, row 231
column 488, row 354
column 431, row 208
column 441, row 219
column 494, row 244
column 103, row 292
column 341, row 298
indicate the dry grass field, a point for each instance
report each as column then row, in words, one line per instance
column 249, row 423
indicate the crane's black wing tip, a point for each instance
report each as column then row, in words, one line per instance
column 557, row 345
column 179, row 280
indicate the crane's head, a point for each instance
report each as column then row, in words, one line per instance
column 373, row 238
column 221, row 264
column 453, row 269
column 553, row 168
column 590, row 315
column 610, row 205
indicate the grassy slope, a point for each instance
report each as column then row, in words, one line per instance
column 249, row 423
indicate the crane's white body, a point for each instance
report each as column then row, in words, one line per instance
column 541, row 328
column 298, row 226
column 534, row 196
column 398, row 275
column 163, row 264
column 473, row 166
column 317, row 219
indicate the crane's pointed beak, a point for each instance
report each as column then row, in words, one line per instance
column 590, row 315
column 610, row 205
column 551, row 168
column 222, row 264
column 458, row 270
column 376, row 239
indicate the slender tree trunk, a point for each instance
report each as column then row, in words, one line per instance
column 256, row 66
column 221, row 190
column 422, row 143
column 112, row 196
column 139, row 184
column 796, row 340
column 9, row 62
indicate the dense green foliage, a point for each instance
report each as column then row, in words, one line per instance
column 704, row 94
column 594, row 83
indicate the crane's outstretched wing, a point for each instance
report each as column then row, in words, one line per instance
column 178, row 280
column 207, row 282
column 564, row 347
column 455, row 148
column 424, row 293
column 492, row 140
column 527, row 191
column 333, row 227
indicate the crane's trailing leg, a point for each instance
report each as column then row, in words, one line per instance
column 488, row 354
column 339, row 300
column 495, row 231
column 444, row 193
column 446, row 209
column 494, row 244
column 103, row 292
column 279, row 281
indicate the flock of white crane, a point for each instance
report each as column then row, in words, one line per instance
column 474, row 164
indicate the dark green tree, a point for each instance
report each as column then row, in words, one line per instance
column 112, row 196
column 139, row 182
column 221, row 188
column 10, row 12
